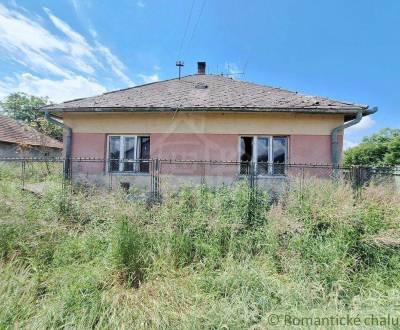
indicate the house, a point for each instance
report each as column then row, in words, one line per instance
column 204, row 117
column 19, row 140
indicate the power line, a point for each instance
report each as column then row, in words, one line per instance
column 186, row 28
column 198, row 20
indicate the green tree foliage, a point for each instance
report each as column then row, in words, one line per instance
column 21, row 106
column 393, row 154
column 379, row 149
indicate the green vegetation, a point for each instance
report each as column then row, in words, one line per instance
column 204, row 258
column 379, row 149
column 24, row 107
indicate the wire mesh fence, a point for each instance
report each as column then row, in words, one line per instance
column 155, row 176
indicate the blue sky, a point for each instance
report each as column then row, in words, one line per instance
column 346, row 50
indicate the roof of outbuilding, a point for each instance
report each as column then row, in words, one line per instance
column 205, row 93
column 13, row 131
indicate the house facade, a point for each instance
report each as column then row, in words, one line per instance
column 19, row 140
column 204, row 118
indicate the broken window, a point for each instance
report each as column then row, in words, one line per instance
column 246, row 154
column 268, row 154
column 279, row 152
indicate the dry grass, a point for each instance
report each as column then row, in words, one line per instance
column 204, row 258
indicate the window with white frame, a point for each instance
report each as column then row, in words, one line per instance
column 268, row 154
column 128, row 153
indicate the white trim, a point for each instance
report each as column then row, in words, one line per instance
column 122, row 138
column 254, row 157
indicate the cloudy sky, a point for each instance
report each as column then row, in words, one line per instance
column 346, row 50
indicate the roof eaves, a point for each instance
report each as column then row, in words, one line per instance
column 316, row 109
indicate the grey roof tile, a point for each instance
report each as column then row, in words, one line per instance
column 198, row 92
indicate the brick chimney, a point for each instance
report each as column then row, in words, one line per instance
column 201, row 67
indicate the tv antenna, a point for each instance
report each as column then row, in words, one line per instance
column 180, row 65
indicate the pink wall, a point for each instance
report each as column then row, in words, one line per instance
column 88, row 145
column 303, row 149
column 218, row 147
column 311, row 149
column 223, row 147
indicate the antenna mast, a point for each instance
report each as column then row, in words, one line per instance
column 179, row 64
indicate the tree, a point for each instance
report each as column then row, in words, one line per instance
column 379, row 149
column 393, row 155
column 21, row 106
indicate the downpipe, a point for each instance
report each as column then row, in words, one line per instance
column 336, row 130
column 67, row 152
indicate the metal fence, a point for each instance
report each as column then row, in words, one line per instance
column 156, row 176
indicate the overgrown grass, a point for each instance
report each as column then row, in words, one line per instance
column 204, row 258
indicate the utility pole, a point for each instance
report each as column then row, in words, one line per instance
column 179, row 64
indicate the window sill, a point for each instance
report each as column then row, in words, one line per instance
column 267, row 176
column 129, row 173
column 272, row 176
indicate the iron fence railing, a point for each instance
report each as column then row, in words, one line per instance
column 157, row 175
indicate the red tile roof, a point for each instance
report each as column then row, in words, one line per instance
column 13, row 131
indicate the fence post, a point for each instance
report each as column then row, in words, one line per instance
column 251, row 174
column 302, row 185
column 108, row 169
column 203, row 173
column 253, row 196
column 155, row 178
column 23, row 167
column 62, row 177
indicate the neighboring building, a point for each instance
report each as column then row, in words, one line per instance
column 204, row 117
column 18, row 140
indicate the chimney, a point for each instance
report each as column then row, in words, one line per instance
column 201, row 67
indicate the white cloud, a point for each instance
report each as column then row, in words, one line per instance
column 53, row 62
column 113, row 61
column 149, row 78
column 93, row 33
column 75, row 4
column 141, row 4
column 349, row 144
column 57, row 90
column 364, row 124
column 27, row 42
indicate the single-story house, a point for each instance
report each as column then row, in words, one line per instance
column 204, row 117
column 19, row 140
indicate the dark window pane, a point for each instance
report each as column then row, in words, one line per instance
column 262, row 155
column 279, row 151
column 144, row 153
column 114, row 152
column 129, row 153
column 246, row 153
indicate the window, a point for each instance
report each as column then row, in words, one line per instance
column 128, row 153
column 267, row 153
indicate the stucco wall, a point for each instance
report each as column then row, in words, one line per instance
column 209, row 136
column 184, row 146
column 88, row 145
column 303, row 149
column 203, row 123
column 311, row 149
